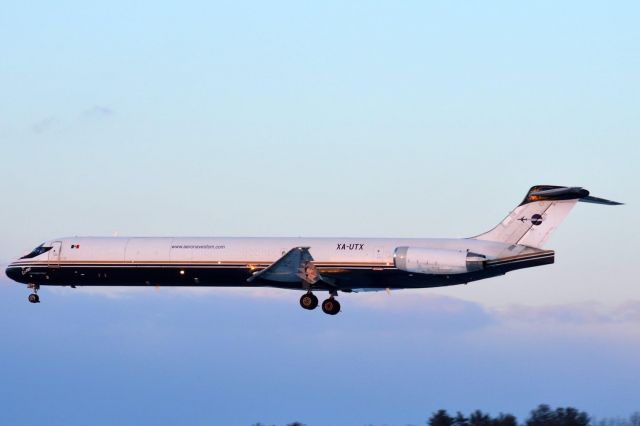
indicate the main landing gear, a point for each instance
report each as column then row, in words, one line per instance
column 309, row 301
column 33, row 297
column 330, row 306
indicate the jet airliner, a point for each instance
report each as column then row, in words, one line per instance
column 308, row 264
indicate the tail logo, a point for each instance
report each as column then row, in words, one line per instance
column 536, row 219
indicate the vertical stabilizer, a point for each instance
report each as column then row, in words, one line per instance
column 539, row 214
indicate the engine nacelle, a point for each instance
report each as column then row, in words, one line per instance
column 437, row 261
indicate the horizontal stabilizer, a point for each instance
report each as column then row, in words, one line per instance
column 558, row 193
column 596, row 200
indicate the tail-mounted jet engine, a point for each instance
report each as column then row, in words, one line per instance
column 437, row 261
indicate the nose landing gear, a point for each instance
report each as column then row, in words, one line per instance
column 33, row 297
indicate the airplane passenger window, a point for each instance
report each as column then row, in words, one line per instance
column 37, row 251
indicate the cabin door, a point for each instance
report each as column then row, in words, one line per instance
column 54, row 255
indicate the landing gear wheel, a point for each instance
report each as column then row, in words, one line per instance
column 331, row 306
column 309, row 301
column 34, row 298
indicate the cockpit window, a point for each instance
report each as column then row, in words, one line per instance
column 37, row 251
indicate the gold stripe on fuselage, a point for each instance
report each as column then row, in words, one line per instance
column 189, row 262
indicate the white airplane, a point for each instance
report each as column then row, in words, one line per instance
column 307, row 264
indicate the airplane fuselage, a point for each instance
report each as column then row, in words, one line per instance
column 352, row 263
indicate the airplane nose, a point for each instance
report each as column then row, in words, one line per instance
column 14, row 273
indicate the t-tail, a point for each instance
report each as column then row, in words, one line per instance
column 540, row 213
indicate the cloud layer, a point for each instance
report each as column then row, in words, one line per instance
column 254, row 355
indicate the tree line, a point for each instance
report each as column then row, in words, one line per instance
column 543, row 415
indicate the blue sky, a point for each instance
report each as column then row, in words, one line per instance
column 293, row 118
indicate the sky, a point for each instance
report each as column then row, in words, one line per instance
column 407, row 119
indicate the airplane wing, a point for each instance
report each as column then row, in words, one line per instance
column 295, row 266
